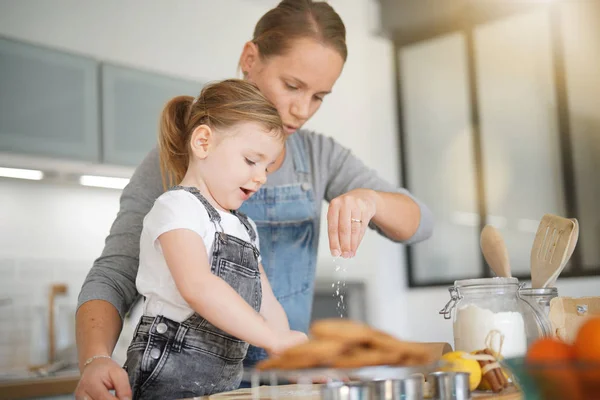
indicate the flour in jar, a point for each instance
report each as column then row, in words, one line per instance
column 473, row 324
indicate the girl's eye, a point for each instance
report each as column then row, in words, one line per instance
column 250, row 162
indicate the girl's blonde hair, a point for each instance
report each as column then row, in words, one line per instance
column 220, row 105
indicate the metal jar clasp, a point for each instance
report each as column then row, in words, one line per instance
column 455, row 297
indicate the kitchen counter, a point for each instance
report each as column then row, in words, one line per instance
column 311, row 392
column 30, row 388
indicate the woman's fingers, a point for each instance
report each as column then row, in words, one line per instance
column 345, row 229
column 356, row 232
column 347, row 221
column 333, row 229
column 120, row 381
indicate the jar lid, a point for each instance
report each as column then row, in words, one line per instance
column 496, row 281
column 549, row 291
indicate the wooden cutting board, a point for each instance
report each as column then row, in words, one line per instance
column 511, row 393
column 297, row 392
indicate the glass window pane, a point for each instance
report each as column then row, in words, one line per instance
column 519, row 129
column 580, row 23
column 440, row 157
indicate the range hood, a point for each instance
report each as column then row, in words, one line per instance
column 407, row 20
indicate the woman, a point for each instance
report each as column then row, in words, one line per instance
column 297, row 54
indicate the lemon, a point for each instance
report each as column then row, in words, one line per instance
column 457, row 363
column 453, row 355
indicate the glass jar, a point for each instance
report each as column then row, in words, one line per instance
column 489, row 313
column 540, row 299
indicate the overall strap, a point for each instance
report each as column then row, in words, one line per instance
column 299, row 153
column 213, row 214
column 244, row 220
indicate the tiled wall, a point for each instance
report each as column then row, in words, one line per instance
column 24, row 318
column 48, row 234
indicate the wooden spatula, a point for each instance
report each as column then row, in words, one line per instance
column 495, row 252
column 572, row 243
column 550, row 247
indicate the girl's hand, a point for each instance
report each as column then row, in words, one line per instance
column 347, row 220
column 286, row 340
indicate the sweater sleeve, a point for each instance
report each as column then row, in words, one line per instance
column 344, row 172
column 112, row 276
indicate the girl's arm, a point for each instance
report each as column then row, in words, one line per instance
column 270, row 308
column 209, row 295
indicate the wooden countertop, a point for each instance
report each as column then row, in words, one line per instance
column 297, row 392
column 38, row 387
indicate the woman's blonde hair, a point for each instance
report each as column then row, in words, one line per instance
column 298, row 19
column 220, row 105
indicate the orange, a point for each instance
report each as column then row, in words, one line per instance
column 587, row 349
column 587, row 342
column 550, row 365
column 549, row 350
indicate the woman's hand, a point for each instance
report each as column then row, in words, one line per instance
column 99, row 377
column 347, row 220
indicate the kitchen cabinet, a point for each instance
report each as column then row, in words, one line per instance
column 48, row 102
column 132, row 101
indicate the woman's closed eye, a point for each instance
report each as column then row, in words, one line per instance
column 290, row 86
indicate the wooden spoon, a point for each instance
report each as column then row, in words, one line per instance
column 550, row 247
column 572, row 244
column 495, row 251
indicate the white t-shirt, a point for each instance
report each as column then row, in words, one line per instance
column 176, row 209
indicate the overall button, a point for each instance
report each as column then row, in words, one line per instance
column 161, row 328
column 305, row 186
column 155, row 354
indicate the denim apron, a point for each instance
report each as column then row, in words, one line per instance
column 168, row 360
column 287, row 221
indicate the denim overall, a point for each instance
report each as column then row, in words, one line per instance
column 286, row 217
column 169, row 360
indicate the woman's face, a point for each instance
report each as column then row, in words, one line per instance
column 295, row 82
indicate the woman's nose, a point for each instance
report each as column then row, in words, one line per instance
column 300, row 109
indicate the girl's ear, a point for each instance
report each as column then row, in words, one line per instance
column 201, row 141
column 248, row 58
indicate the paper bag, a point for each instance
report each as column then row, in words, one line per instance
column 567, row 314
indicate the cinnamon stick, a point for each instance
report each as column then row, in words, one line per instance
column 497, row 371
column 490, row 376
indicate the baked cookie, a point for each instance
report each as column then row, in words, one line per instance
column 342, row 343
column 340, row 329
column 364, row 357
column 311, row 354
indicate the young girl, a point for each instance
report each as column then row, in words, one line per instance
column 206, row 294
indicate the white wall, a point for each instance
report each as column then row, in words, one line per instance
column 48, row 234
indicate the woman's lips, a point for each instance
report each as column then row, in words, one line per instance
column 290, row 129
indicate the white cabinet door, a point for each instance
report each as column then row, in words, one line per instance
column 48, row 102
column 132, row 101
